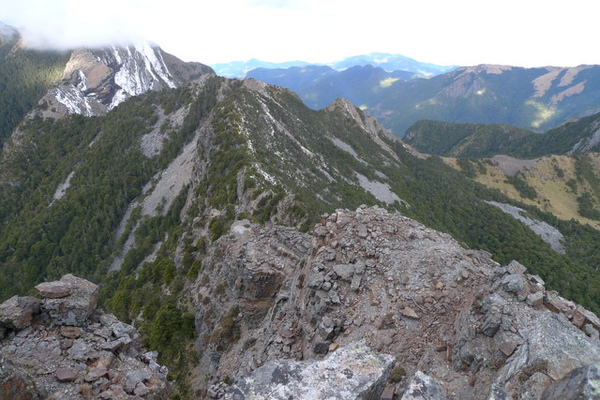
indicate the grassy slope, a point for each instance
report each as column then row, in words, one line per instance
column 554, row 194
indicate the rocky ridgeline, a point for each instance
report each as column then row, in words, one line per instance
column 61, row 347
column 457, row 324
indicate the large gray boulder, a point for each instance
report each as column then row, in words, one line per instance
column 75, row 308
column 582, row 383
column 16, row 313
column 352, row 372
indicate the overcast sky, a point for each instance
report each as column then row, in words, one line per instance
column 526, row 33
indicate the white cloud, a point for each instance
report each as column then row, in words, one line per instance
column 466, row 32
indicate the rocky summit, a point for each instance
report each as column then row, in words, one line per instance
column 62, row 347
column 457, row 324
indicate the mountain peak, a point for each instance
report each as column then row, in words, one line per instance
column 487, row 68
column 7, row 32
column 97, row 80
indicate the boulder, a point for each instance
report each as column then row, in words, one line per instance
column 422, row 387
column 65, row 375
column 581, row 383
column 552, row 346
column 17, row 312
column 344, row 271
column 352, row 372
column 535, row 299
column 76, row 308
column 53, row 290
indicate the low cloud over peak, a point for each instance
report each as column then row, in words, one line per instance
column 66, row 24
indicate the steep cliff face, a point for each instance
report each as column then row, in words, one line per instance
column 474, row 326
column 97, row 80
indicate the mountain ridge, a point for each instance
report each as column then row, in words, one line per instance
column 480, row 140
column 201, row 196
column 530, row 98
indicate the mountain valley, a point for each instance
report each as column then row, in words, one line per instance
column 235, row 227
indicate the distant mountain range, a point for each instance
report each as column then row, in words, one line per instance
column 530, row 98
column 319, row 86
column 386, row 61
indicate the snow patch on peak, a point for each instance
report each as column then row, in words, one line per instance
column 74, row 100
column 96, row 81
column 155, row 60
column 82, row 85
column 141, row 70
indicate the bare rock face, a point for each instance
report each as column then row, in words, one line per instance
column 16, row 383
column 352, row 372
column 477, row 329
column 61, row 347
column 581, row 383
column 97, row 80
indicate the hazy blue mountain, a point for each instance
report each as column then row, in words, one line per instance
column 530, row 98
column 388, row 62
column 318, row 86
column 294, row 78
column 537, row 99
column 239, row 69
column 393, row 62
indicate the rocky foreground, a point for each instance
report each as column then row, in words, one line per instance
column 61, row 347
column 456, row 322
column 372, row 305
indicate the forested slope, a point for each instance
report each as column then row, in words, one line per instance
column 79, row 193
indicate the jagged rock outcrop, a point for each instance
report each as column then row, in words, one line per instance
column 61, row 347
column 352, row 372
column 476, row 329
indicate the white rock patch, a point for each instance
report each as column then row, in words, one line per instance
column 548, row 233
column 381, row 191
column 61, row 190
